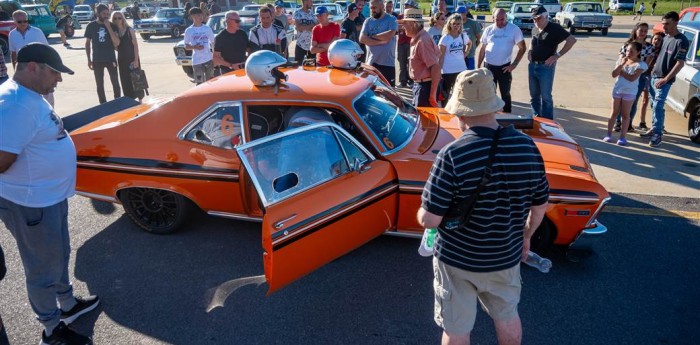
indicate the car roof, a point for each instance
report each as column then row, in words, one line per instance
column 303, row 84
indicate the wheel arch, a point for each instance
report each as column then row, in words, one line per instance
column 692, row 103
column 170, row 188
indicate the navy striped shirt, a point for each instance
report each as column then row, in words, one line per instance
column 492, row 239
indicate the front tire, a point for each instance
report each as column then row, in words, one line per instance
column 604, row 31
column 4, row 45
column 694, row 125
column 175, row 32
column 189, row 71
column 145, row 36
column 156, row 210
column 572, row 29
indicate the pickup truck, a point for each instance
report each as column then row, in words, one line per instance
column 519, row 15
column 587, row 16
column 552, row 6
column 684, row 96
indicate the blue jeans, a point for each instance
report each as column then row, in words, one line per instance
column 658, row 99
column 470, row 63
column 541, row 79
column 44, row 247
column 421, row 94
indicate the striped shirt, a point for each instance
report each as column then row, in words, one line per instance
column 492, row 239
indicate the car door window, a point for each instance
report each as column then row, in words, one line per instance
column 221, row 127
column 43, row 11
column 691, row 52
column 295, row 161
column 352, row 152
column 687, row 17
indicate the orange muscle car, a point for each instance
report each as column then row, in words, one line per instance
column 327, row 161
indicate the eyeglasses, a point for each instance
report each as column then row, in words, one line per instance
column 22, row 21
column 234, row 20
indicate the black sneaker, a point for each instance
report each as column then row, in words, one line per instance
column 83, row 305
column 63, row 335
column 618, row 126
column 643, row 125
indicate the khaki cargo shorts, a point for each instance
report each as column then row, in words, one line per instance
column 457, row 290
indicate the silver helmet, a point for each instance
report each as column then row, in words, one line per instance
column 261, row 68
column 344, row 54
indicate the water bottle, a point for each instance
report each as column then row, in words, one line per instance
column 538, row 262
column 427, row 244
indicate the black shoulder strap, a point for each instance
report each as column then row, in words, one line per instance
column 459, row 213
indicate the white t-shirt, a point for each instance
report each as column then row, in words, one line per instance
column 196, row 35
column 625, row 86
column 45, row 169
column 453, row 62
column 18, row 41
column 499, row 43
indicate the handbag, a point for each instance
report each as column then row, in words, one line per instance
column 459, row 212
column 139, row 80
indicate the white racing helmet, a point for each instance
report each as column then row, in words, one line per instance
column 261, row 68
column 344, row 54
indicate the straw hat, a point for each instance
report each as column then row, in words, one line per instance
column 412, row 15
column 474, row 94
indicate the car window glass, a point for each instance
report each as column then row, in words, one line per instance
column 686, row 17
column 32, row 11
column 221, row 128
column 43, row 11
column 691, row 38
column 352, row 152
column 389, row 116
column 282, row 168
column 217, row 23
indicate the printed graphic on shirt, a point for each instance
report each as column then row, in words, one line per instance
column 62, row 133
column 102, row 34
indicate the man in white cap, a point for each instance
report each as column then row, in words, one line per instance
column 37, row 176
column 478, row 258
column 424, row 60
column 543, row 56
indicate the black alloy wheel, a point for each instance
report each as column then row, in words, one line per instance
column 156, row 210
column 694, row 125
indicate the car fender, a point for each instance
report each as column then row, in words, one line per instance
column 692, row 103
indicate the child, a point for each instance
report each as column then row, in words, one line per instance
column 627, row 72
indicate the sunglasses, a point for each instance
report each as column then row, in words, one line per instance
column 234, row 20
column 22, row 21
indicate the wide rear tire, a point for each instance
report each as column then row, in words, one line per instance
column 156, row 210
column 544, row 236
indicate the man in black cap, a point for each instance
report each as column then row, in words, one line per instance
column 348, row 29
column 543, row 56
column 37, row 176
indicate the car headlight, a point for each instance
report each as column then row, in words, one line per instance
column 516, row 20
column 181, row 51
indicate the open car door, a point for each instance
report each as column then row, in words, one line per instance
column 323, row 195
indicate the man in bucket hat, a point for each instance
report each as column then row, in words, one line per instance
column 37, row 176
column 423, row 61
column 479, row 259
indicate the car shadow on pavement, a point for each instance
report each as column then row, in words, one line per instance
column 675, row 161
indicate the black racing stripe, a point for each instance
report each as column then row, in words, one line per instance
column 152, row 163
column 572, row 202
column 162, row 174
column 330, row 222
column 572, row 192
column 412, row 183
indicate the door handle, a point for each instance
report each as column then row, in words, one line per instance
column 280, row 223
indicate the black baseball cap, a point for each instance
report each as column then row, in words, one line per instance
column 538, row 11
column 352, row 7
column 42, row 53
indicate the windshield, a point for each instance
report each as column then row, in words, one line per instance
column 81, row 8
column 389, row 117
column 522, row 8
column 163, row 14
column 331, row 9
column 586, row 7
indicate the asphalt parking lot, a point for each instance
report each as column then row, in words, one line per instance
column 203, row 286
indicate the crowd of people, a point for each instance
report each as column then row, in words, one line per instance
column 37, row 157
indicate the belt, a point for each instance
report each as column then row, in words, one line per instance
column 423, row 80
column 487, row 65
column 538, row 62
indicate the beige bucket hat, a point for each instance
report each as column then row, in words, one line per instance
column 412, row 15
column 474, row 94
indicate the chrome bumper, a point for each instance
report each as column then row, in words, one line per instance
column 186, row 61
column 588, row 237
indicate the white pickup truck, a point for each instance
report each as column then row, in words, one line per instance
column 552, row 6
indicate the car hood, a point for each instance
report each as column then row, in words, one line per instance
column 180, row 44
column 156, row 21
column 520, row 15
column 81, row 12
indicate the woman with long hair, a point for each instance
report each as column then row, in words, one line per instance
column 639, row 35
column 205, row 11
column 437, row 22
column 454, row 47
column 127, row 55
